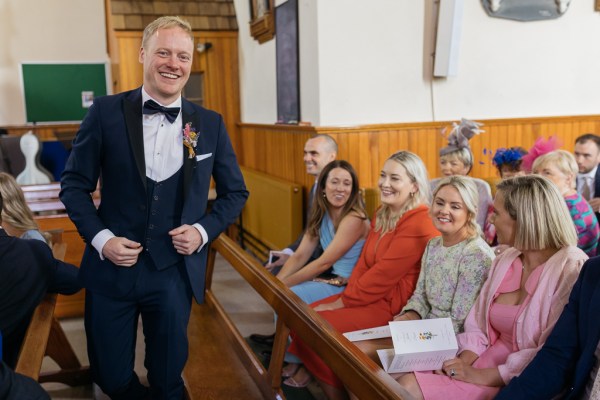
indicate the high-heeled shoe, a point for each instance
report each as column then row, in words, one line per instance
column 289, row 370
column 295, row 382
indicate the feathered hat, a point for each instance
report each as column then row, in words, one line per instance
column 539, row 148
column 460, row 135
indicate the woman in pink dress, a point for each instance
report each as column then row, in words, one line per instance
column 527, row 288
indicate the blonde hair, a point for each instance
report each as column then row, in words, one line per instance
column 385, row 218
column 166, row 22
column 467, row 189
column 15, row 210
column 542, row 218
column 463, row 155
column 562, row 160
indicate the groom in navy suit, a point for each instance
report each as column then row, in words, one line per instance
column 154, row 153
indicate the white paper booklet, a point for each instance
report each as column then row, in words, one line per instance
column 420, row 345
column 371, row 333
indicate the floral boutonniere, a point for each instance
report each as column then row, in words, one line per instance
column 190, row 139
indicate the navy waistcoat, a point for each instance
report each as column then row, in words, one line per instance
column 165, row 205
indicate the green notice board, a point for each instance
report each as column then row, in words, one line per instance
column 53, row 92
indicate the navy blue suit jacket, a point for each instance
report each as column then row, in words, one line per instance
column 109, row 146
column 567, row 357
column 597, row 188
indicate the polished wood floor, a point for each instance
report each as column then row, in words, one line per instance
column 248, row 311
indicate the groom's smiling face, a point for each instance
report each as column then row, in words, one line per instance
column 167, row 58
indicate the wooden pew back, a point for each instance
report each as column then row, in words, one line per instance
column 34, row 345
column 361, row 375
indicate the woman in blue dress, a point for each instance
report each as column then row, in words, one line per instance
column 338, row 221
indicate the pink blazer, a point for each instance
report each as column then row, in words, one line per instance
column 539, row 312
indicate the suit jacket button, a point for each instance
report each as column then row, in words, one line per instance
column 142, row 207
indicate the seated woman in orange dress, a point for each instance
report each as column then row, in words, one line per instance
column 387, row 270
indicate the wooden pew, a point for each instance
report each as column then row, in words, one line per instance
column 36, row 338
column 212, row 334
column 45, row 337
column 43, row 199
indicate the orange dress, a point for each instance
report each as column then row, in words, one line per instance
column 380, row 285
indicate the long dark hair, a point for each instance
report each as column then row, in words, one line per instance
column 320, row 204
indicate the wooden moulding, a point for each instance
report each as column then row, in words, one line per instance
column 263, row 28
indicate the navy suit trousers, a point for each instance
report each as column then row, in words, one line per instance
column 163, row 299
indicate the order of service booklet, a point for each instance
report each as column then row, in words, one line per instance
column 419, row 345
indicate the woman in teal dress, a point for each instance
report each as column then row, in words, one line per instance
column 338, row 222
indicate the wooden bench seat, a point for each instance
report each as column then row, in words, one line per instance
column 212, row 331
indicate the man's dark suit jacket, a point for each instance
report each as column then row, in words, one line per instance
column 15, row 386
column 597, row 182
column 27, row 271
column 567, row 357
column 110, row 144
column 597, row 188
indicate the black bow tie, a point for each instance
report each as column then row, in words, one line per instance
column 152, row 107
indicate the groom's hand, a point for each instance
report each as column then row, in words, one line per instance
column 186, row 239
column 122, row 251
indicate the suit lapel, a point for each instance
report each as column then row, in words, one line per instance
column 188, row 115
column 135, row 130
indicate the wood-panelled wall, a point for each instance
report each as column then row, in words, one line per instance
column 45, row 131
column 277, row 149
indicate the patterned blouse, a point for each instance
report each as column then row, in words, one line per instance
column 450, row 280
column 586, row 223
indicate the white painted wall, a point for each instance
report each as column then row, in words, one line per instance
column 45, row 31
column 309, row 48
column 516, row 69
column 361, row 61
column 258, row 90
column 371, row 62
column 367, row 62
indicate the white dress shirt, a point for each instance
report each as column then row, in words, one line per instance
column 163, row 155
